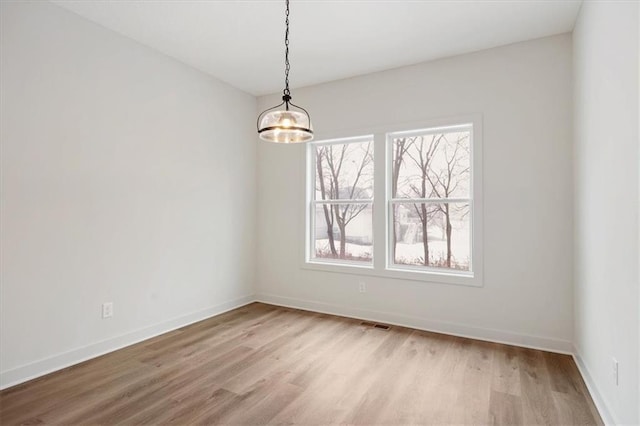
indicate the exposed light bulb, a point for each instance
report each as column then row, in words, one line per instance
column 287, row 120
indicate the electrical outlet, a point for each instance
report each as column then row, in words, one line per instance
column 614, row 371
column 107, row 310
column 362, row 287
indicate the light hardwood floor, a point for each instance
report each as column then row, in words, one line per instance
column 264, row 364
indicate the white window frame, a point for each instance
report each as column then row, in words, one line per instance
column 381, row 205
column 312, row 202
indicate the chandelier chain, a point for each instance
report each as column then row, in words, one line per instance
column 287, row 66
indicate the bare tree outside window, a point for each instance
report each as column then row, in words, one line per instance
column 431, row 184
column 343, row 201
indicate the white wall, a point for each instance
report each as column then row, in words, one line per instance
column 606, row 203
column 126, row 177
column 523, row 92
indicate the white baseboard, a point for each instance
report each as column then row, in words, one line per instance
column 596, row 396
column 461, row 330
column 57, row 362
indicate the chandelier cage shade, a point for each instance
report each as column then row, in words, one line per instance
column 285, row 123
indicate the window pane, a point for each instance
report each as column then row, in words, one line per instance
column 432, row 165
column 432, row 234
column 343, row 231
column 344, row 171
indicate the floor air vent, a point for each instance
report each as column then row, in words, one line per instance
column 371, row 324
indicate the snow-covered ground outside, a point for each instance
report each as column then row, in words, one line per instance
column 411, row 253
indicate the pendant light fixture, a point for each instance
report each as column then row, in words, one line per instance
column 285, row 123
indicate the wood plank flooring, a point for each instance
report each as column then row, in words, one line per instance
column 263, row 364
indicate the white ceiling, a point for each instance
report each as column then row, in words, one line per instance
column 241, row 42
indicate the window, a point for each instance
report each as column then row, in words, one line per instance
column 342, row 228
column 430, row 199
column 419, row 200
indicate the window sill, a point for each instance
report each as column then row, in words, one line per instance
column 435, row 277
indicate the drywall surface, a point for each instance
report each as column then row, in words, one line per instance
column 606, row 203
column 523, row 92
column 127, row 177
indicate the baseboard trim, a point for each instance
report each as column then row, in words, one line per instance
column 45, row 366
column 596, row 396
column 454, row 329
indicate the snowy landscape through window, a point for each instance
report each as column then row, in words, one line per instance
column 422, row 222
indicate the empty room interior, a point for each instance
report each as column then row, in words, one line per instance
column 320, row 212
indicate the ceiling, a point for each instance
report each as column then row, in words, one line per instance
column 242, row 42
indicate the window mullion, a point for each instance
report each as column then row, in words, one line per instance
column 379, row 205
